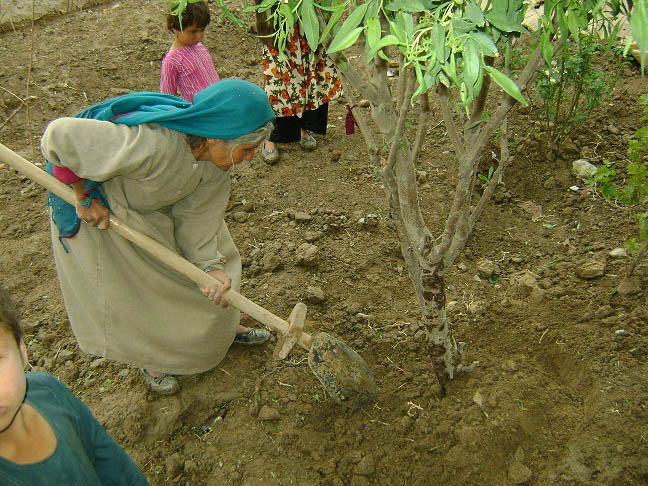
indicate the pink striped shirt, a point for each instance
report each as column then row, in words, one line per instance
column 187, row 70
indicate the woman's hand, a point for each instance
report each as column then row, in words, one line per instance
column 216, row 291
column 96, row 214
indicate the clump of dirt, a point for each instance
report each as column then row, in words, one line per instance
column 560, row 396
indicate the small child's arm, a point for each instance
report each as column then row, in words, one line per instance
column 169, row 78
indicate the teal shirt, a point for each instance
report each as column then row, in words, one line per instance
column 85, row 454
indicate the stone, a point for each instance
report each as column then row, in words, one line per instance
column 487, row 268
column 307, row 255
column 315, row 295
column 629, row 286
column 301, row 216
column 618, row 253
column 268, row 414
column 64, row 355
column 603, row 312
column 271, row 262
column 173, row 465
column 240, row 216
column 98, row 363
column 518, row 473
column 311, row 236
column 590, row 269
column 478, row 399
column 583, row 169
column 366, row 466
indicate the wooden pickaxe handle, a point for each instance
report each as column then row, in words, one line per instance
column 155, row 249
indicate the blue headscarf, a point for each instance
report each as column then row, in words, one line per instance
column 225, row 110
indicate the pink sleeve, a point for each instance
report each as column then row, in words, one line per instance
column 169, row 78
column 65, row 175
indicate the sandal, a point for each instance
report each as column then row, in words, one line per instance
column 252, row 336
column 271, row 156
column 308, row 142
column 164, row 384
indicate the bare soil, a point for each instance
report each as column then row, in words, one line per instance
column 561, row 396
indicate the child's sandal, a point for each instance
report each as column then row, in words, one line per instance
column 164, row 384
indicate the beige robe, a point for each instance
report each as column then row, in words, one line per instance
column 122, row 303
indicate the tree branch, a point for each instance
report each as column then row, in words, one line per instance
column 451, row 127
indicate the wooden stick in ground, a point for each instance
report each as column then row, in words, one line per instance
column 155, row 249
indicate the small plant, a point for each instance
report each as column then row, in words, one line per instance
column 572, row 86
column 634, row 192
column 486, row 178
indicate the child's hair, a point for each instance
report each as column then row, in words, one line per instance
column 8, row 320
column 196, row 13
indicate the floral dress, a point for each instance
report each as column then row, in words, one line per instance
column 300, row 80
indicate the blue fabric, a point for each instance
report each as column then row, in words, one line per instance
column 85, row 453
column 225, row 110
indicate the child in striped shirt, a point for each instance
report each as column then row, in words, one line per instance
column 188, row 67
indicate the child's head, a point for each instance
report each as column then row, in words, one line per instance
column 13, row 358
column 196, row 14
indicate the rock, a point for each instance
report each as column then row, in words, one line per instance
column 462, row 266
column 509, row 365
column 406, row 422
column 590, row 269
column 618, row 253
column 519, row 455
column 315, row 295
column 307, row 255
column 487, row 268
column 64, row 355
column 366, row 466
column 583, row 169
column 535, row 210
column 240, row 216
column 421, row 176
column 477, row 398
column 301, row 216
column 603, row 312
column 537, row 295
column 629, row 286
column 363, row 103
column 271, row 262
column 248, row 206
column 173, row 465
column 268, row 414
column 311, row 236
column 523, row 284
column 123, row 373
column 190, row 466
column 98, row 363
column 518, row 473
column 475, row 307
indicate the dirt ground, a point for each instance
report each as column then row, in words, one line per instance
column 560, row 398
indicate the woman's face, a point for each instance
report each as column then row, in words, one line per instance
column 224, row 156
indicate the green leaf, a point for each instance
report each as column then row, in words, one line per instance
column 507, row 84
column 412, row 6
column 349, row 32
column 310, row 23
column 639, row 28
column 572, row 24
column 373, row 31
column 471, row 64
column 333, row 22
column 341, row 43
column 504, row 22
column 406, row 22
column 474, row 14
column 487, row 45
column 547, row 48
column 388, row 40
column 286, row 12
column 439, row 40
